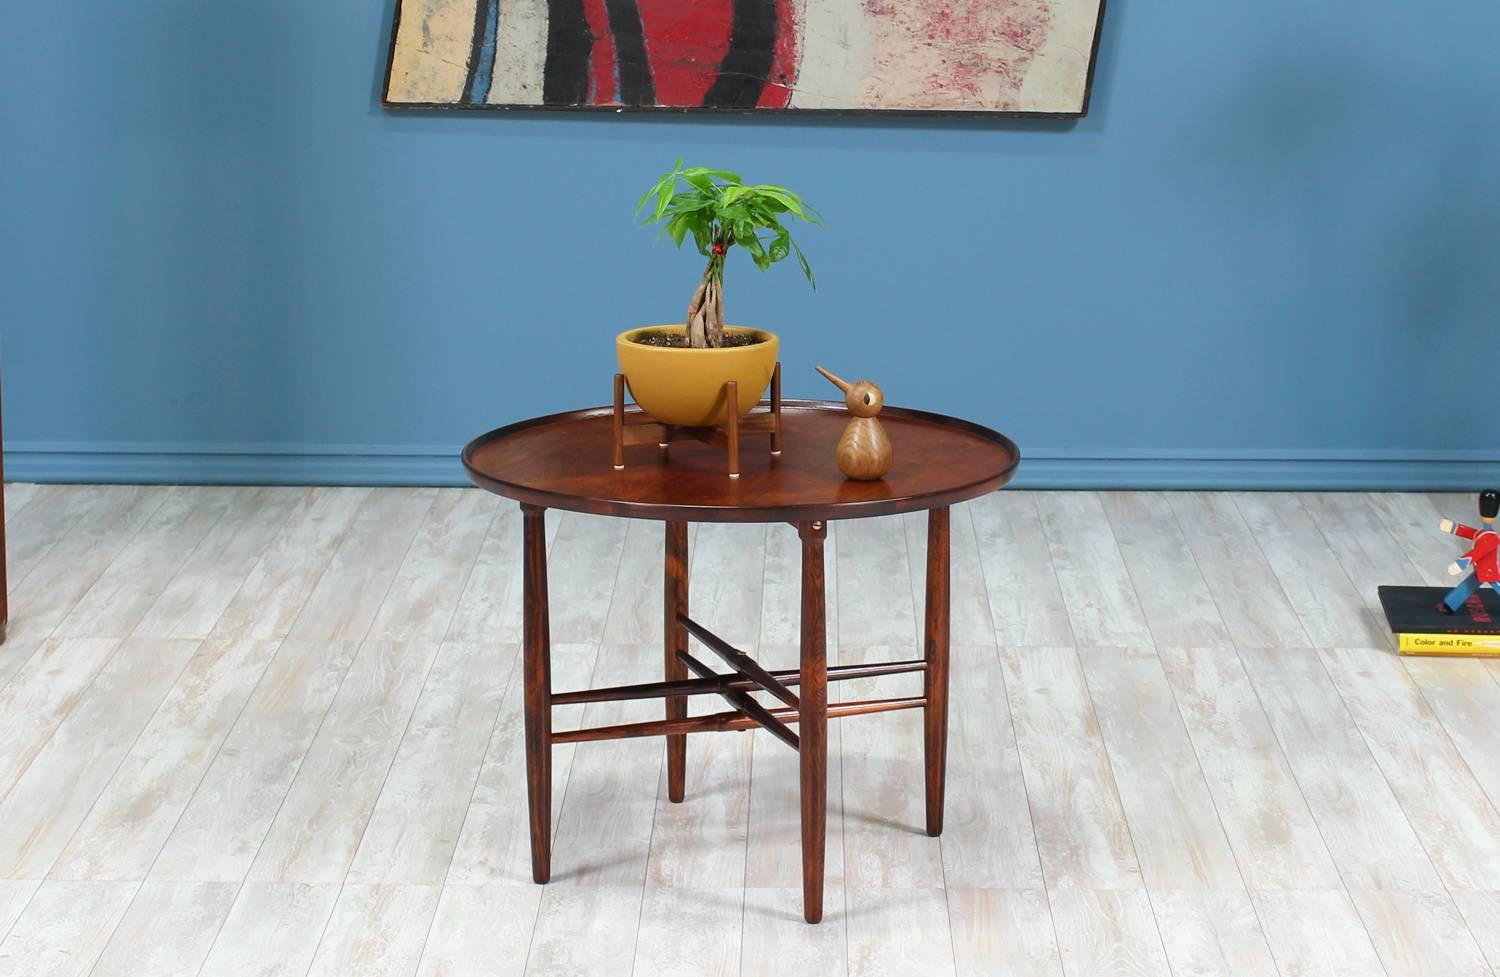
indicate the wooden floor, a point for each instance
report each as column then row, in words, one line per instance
column 277, row 731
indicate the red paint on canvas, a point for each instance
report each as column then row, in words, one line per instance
column 778, row 91
column 685, row 43
column 602, row 56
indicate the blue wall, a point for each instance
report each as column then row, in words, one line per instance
column 1267, row 258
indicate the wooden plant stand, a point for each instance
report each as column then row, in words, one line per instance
column 639, row 427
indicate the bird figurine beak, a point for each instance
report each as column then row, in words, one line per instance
column 843, row 385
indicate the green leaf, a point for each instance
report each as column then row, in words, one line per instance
column 723, row 176
column 757, row 250
column 781, row 246
column 703, row 236
column 656, row 188
column 694, row 201
column 806, row 268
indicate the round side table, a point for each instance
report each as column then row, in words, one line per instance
column 564, row 461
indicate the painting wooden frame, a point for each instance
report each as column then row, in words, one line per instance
column 978, row 58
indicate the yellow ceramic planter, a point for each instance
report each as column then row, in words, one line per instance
column 686, row 386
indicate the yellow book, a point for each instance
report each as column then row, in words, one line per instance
column 1449, row 644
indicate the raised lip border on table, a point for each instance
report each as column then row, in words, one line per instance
column 749, row 513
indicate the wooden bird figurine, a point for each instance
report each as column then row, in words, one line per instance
column 864, row 452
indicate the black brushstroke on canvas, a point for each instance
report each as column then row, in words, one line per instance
column 636, row 87
column 565, row 79
column 747, row 63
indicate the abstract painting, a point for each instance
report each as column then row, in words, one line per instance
column 1006, row 57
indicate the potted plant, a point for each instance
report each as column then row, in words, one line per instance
column 677, row 373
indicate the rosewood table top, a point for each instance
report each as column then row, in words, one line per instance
column 563, row 462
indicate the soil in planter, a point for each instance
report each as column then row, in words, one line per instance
column 672, row 340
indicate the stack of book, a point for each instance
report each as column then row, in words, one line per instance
column 1423, row 627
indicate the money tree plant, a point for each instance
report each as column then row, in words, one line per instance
column 717, row 210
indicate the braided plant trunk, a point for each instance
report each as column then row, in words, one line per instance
column 705, row 315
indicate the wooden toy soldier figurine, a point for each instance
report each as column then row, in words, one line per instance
column 1483, row 556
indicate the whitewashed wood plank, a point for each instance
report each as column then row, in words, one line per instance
column 1465, row 695
column 318, row 828
column 1245, row 588
column 415, row 825
column 49, row 592
column 1412, row 519
column 1316, row 934
column 1174, row 597
column 272, row 931
column 136, row 812
column 14, row 895
column 603, row 835
column 272, row 594
column 585, row 931
column 14, row 654
column 1211, row 934
column 222, row 828
column 1095, row 585
column 1275, row 839
column 1026, row 603
column 1311, row 575
column 348, row 595
column 899, row 932
column 689, row 932
column 376, row 931
column 193, row 600
column 885, row 837
column 55, row 793
column 168, row 929
column 64, row 928
column 481, row 931
column 1172, row 817
column 875, row 607
column 494, row 845
column 1369, row 837
column 728, row 576
column 701, row 843
column 969, row 602
column 781, row 589
column 1481, row 910
column 1370, row 555
column 1075, row 807
column 41, row 694
column 988, row 840
column 773, row 854
column 18, row 495
column 1107, row 934
column 490, row 608
column 635, row 604
column 776, row 942
column 1457, row 823
column 30, row 534
column 582, row 570
column 420, row 603
column 1003, row 931
column 125, row 591
column 1420, row 934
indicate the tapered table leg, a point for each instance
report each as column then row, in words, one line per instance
column 935, row 678
column 537, row 664
column 676, row 591
column 812, row 724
